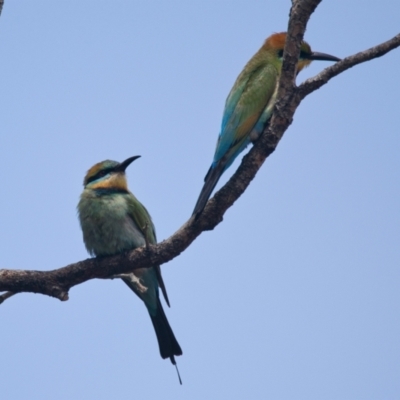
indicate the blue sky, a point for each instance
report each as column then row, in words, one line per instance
column 294, row 296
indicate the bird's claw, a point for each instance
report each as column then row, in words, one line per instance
column 133, row 279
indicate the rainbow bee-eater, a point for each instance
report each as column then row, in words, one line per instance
column 114, row 221
column 249, row 106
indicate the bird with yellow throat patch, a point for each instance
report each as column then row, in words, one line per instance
column 114, row 221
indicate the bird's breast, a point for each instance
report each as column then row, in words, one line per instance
column 106, row 225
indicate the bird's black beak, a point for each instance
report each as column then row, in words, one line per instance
column 124, row 165
column 322, row 57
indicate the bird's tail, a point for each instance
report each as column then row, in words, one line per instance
column 210, row 181
column 169, row 346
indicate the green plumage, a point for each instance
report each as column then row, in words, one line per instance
column 249, row 106
column 114, row 221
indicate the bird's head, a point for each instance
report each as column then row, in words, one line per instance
column 276, row 43
column 108, row 174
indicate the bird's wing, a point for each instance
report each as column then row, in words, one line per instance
column 244, row 105
column 141, row 217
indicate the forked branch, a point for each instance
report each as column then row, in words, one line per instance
column 57, row 283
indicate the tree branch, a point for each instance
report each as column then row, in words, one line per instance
column 56, row 283
column 6, row 296
column 322, row 78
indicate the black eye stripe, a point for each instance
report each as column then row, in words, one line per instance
column 100, row 174
column 303, row 54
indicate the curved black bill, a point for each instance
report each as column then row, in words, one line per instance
column 124, row 165
column 322, row 57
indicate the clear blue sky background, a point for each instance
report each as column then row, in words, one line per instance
column 294, row 296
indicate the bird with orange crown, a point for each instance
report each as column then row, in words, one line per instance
column 249, row 106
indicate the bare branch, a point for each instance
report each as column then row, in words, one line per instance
column 1, row 9
column 6, row 296
column 57, row 283
column 322, row 78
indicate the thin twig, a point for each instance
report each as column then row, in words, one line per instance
column 312, row 84
column 7, row 295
